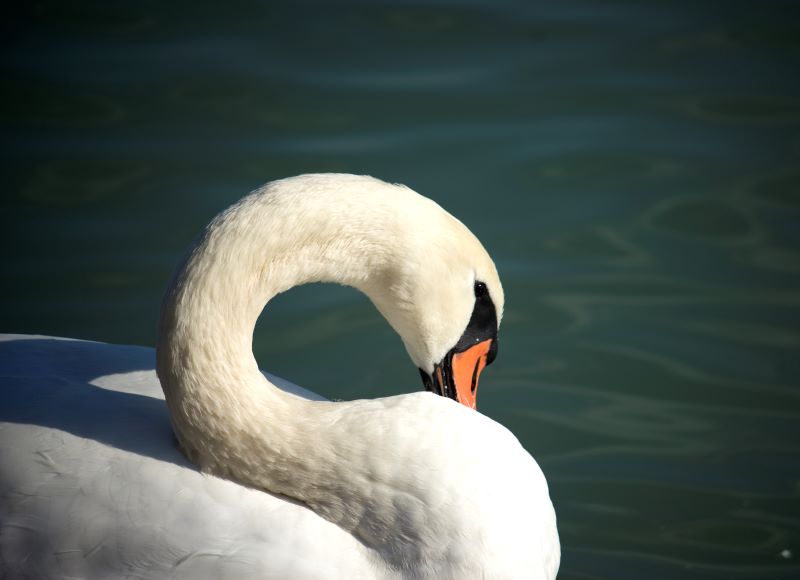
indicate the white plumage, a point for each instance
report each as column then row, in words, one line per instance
column 412, row 486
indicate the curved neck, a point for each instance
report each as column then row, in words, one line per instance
column 400, row 473
column 397, row 473
column 267, row 243
column 227, row 417
column 255, row 250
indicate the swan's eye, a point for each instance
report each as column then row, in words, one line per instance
column 480, row 290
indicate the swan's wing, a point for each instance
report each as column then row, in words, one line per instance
column 92, row 486
column 96, row 363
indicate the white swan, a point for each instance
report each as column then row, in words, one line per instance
column 411, row 486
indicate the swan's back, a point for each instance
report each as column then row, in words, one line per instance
column 470, row 502
column 92, row 486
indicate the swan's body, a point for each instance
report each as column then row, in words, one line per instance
column 92, row 485
column 412, row 486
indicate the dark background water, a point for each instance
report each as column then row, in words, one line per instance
column 632, row 167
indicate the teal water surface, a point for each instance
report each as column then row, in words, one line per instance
column 633, row 168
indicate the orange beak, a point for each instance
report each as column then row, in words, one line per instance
column 467, row 367
column 456, row 377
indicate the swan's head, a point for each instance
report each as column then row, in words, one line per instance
column 457, row 372
column 443, row 297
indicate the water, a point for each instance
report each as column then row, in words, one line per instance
column 633, row 168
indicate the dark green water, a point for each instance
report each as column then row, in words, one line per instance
column 633, row 168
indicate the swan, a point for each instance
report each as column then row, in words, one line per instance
column 279, row 483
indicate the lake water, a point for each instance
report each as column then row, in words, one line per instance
column 634, row 169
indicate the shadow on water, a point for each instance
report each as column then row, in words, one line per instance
column 48, row 383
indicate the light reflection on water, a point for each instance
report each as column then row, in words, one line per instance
column 632, row 169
